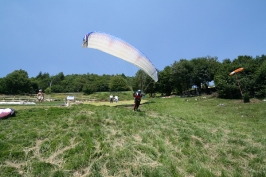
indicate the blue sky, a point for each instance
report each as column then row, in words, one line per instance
column 46, row 36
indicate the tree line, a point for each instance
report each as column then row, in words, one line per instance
column 199, row 72
column 178, row 78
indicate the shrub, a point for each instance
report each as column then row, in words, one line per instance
column 246, row 98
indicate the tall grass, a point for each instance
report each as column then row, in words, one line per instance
column 168, row 137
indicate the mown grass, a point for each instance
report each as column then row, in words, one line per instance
column 61, row 97
column 168, row 137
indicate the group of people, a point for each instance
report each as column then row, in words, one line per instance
column 113, row 99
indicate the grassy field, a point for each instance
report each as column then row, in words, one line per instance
column 168, row 137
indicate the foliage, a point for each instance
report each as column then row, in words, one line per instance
column 74, row 83
column 89, row 88
column 142, row 81
column 260, row 80
column 246, row 98
column 178, row 78
column 43, row 80
column 57, row 83
column 248, row 81
column 165, row 85
column 204, row 70
column 182, row 75
column 118, row 83
column 3, row 86
column 48, row 90
column 34, row 86
column 225, row 84
column 17, row 82
column 102, row 83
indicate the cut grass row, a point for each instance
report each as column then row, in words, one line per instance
column 98, row 96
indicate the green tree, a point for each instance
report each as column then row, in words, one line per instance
column 67, row 84
column 43, row 80
column 165, row 83
column 57, row 88
column 34, row 85
column 151, row 88
column 260, row 80
column 182, row 75
column 102, row 83
column 225, row 84
column 78, row 82
column 239, row 84
column 247, row 77
column 142, row 81
column 89, row 88
column 18, row 82
column 48, row 90
column 204, row 70
column 57, row 83
column 118, row 83
column 3, row 86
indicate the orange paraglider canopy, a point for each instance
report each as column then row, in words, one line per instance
column 236, row 71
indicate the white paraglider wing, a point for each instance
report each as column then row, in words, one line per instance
column 119, row 48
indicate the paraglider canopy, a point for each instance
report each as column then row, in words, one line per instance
column 121, row 49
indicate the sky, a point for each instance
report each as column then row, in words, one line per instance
column 46, row 35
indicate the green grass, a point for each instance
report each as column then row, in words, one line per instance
column 168, row 137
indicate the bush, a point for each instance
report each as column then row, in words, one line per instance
column 246, row 98
column 48, row 90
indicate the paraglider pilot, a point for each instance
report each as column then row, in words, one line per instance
column 137, row 99
column 85, row 40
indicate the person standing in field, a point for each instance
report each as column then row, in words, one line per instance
column 137, row 99
column 116, row 99
column 111, row 98
column 40, row 96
